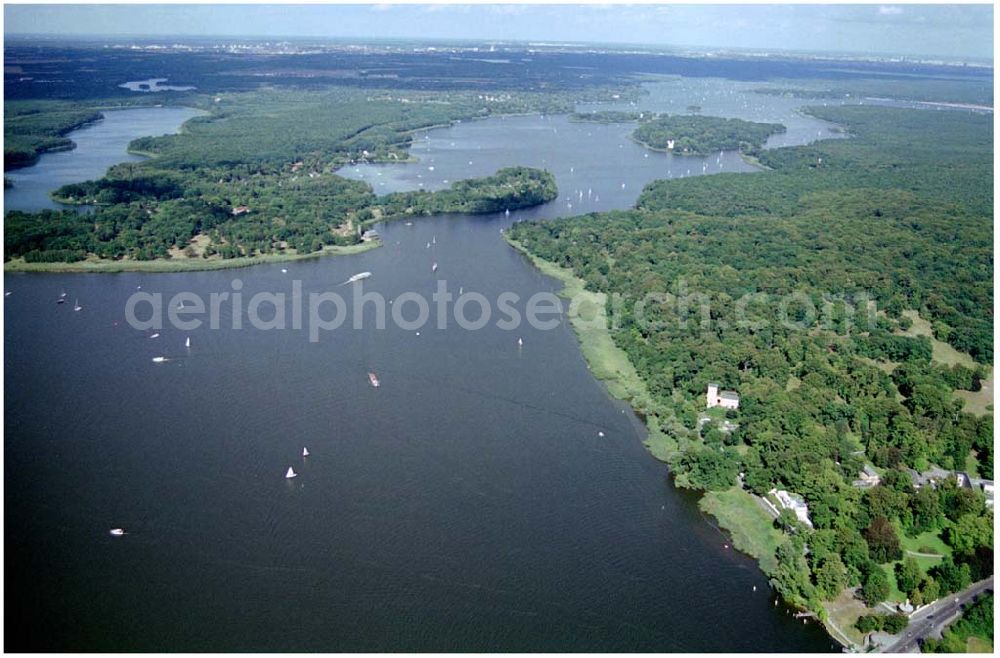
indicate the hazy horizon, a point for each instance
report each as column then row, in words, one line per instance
column 940, row 31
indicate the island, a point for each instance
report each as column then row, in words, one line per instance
column 702, row 135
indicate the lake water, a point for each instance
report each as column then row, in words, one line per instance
column 98, row 146
column 469, row 503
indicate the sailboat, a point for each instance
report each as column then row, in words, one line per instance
column 520, row 343
column 305, row 452
column 291, row 473
column 60, row 301
column 77, row 307
column 434, row 267
column 434, row 239
column 62, row 295
column 187, row 342
column 117, row 532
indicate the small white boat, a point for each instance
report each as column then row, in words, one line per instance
column 520, row 343
column 434, row 239
column 154, row 335
column 428, row 245
column 284, row 271
column 373, row 379
column 600, row 434
column 358, row 277
column 187, row 342
column 6, row 293
column 60, row 301
column 77, row 307
column 305, row 452
column 62, row 294
column 291, row 473
column 507, row 212
column 116, row 532
column 434, row 267
column 159, row 359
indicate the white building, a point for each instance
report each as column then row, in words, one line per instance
column 716, row 398
column 795, row 503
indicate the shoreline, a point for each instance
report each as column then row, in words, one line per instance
column 183, row 265
column 735, row 511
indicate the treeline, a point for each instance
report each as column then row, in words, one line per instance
column 256, row 176
column 762, row 283
column 32, row 129
column 509, row 189
column 701, row 135
column 608, row 116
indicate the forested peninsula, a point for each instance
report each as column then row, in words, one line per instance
column 850, row 407
column 255, row 176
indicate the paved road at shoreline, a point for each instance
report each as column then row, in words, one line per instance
column 936, row 616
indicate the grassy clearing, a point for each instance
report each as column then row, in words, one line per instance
column 978, row 402
column 928, row 542
column 943, row 352
column 751, row 528
column 841, row 615
column 978, row 645
column 180, row 265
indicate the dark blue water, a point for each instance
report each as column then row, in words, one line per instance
column 469, row 503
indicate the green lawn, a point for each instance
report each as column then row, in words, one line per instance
column 751, row 528
column 928, row 542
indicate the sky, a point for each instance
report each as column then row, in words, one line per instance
column 952, row 31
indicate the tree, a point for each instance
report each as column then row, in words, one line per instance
column 876, row 587
column 970, row 532
column 883, row 543
column 895, row 624
column 925, row 511
column 831, row 577
column 908, row 575
column 950, row 576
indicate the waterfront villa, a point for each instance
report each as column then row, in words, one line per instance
column 725, row 399
column 795, row 503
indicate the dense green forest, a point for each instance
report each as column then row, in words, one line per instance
column 759, row 282
column 130, row 226
column 701, row 135
column 254, row 175
column 509, row 189
column 31, row 129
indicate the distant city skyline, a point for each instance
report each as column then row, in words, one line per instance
column 948, row 31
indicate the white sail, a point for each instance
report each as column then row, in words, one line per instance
column 187, row 342
column 290, row 474
column 305, row 452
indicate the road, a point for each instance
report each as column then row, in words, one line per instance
column 936, row 616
